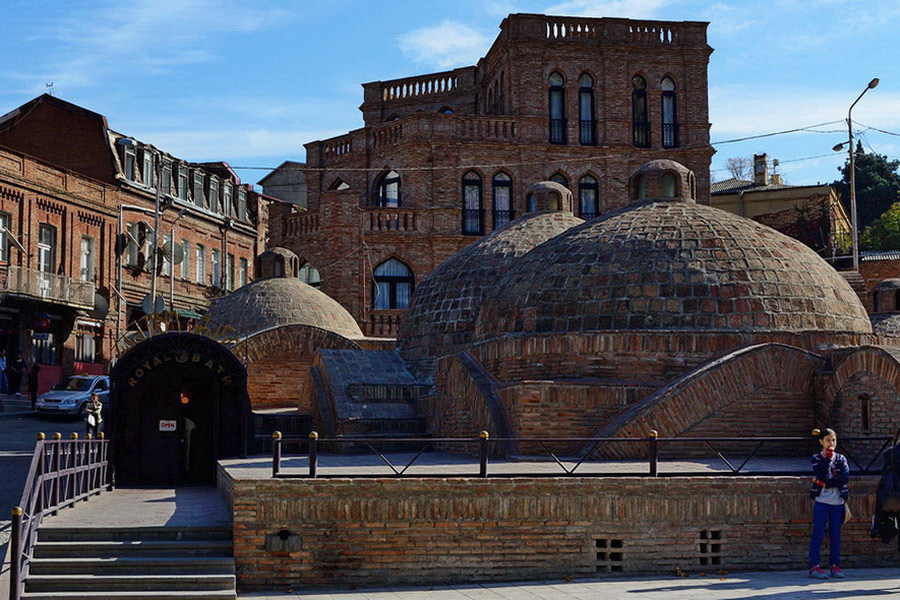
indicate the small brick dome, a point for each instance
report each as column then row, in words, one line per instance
column 441, row 318
column 886, row 324
column 548, row 195
column 274, row 301
column 671, row 264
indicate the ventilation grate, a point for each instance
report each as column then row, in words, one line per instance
column 609, row 555
column 711, row 547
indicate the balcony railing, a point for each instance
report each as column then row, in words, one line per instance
column 641, row 134
column 387, row 219
column 49, row 287
column 557, row 131
column 670, row 135
column 586, row 133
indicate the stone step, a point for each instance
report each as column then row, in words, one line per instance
column 115, row 583
column 101, row 548
column 140, row 595
column 74, row 534
column 136, row 565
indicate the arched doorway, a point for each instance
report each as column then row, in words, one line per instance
column 178, row 403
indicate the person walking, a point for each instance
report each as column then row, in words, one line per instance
column 831, row 474
column 92, row 418
column 4, row 383
column 17, row 374
column 33, row 383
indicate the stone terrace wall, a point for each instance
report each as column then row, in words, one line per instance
column 430, row 531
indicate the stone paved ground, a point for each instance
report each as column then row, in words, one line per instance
column 124, row 507
column 862, row 584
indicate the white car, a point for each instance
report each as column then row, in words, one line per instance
column 69, row 396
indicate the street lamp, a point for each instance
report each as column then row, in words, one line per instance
column 838, row 147
column 181, row 213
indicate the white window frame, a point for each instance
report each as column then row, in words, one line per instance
column 86, row 265
column 216, row 267
column 46, row 250
column 186, row 262
column 5, row 219
column 201, row 264
column 242, row 271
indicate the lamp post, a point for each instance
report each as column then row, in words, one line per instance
column 181, row 214
column 853, row 220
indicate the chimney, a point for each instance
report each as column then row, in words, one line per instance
column 776, row 179
column 760, row 169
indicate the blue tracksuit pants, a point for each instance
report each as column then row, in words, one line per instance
column 833, row 516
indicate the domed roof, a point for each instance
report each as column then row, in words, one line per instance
column 886, row 324
column 274, row 301
column 671, row 264
column 441, row 318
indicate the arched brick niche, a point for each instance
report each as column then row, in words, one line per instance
column 766, row 389
column 861, row 397
column 278, row 361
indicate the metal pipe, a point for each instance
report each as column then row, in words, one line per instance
column 276, row 453
column 853, row 217
column 15, row 545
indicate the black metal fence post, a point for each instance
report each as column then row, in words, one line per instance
column 313, row 453
column 276, row 453
column 15, row 557
column 483, row 436
column 654, row 452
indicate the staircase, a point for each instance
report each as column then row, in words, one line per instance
column 136, row 563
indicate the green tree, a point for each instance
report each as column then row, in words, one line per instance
column 877, row 185
column 884, row 233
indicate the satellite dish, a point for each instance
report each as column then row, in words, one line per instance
column 167, row 252
column 153, row 307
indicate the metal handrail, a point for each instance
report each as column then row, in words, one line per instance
column 484, row 441
column 62, row 472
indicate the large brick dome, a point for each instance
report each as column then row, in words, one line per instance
column 441, row 318
column 671, row 265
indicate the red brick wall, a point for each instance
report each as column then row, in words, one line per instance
column 278, row 362
column 429, row 531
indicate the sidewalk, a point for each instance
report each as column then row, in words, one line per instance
column 869, row 584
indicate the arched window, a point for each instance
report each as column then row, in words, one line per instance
column 557, row 109
column 446, row 110
column 669, row 115
column 387, row 191
column 310, row 275
column 392, row 286
column 669, row 186
column 639, row 187
column 338, row 184
column 473, row 208
column 640, row 126
column 560, row 179
column 587, row 128
column 501, row 192
column 588, row 201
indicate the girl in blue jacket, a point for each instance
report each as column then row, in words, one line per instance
column 831, row 473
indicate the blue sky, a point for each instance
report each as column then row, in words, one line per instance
column 251, row 82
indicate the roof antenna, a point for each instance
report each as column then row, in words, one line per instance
column 48, row 88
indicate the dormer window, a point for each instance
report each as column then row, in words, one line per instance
column 242, row 205
column 166, row 183
column 213, row 193
column 147, row 175
column 129, row 162
column 182, row 182
column 198, row 187
column 226, row 198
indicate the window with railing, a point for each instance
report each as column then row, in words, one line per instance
column 557, row 106
column 501, row 192
column 393, row 284
column 387, row 191
column 587, row 127
column 669, row 115
column 640, row 126
column 473, row 208
column 588, row 198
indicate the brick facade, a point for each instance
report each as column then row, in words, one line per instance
column 72, row 180
column 430, row 531
column 489, row 119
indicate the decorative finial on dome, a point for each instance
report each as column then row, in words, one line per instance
column 663, row 180
column 548, row 196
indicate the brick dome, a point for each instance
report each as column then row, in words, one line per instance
column 274, row 301
column 441, row 318
column 886, row 324
column 671, row 264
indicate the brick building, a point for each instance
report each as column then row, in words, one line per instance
column 67, row 183
column 443, row 158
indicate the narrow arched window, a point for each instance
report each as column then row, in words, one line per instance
column 392, row 285
column 501, row 192
column 669, row 115
column 669, row 186
column 588, row 202
column 557, row 109
column 308, row 274
column 587, row 128
column 387, row 191
column 640, row 126
column 472, row 209
column 560, row 179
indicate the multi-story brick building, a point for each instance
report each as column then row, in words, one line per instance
column 444, row 158
column 70, row 187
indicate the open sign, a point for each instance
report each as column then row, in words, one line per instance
column 167, row 425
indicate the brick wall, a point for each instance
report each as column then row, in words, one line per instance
column 431, row 531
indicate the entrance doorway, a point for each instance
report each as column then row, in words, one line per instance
column 178, row 404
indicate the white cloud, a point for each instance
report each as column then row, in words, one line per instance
column 139, row 38
column 632, row 9
column 446, row 45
